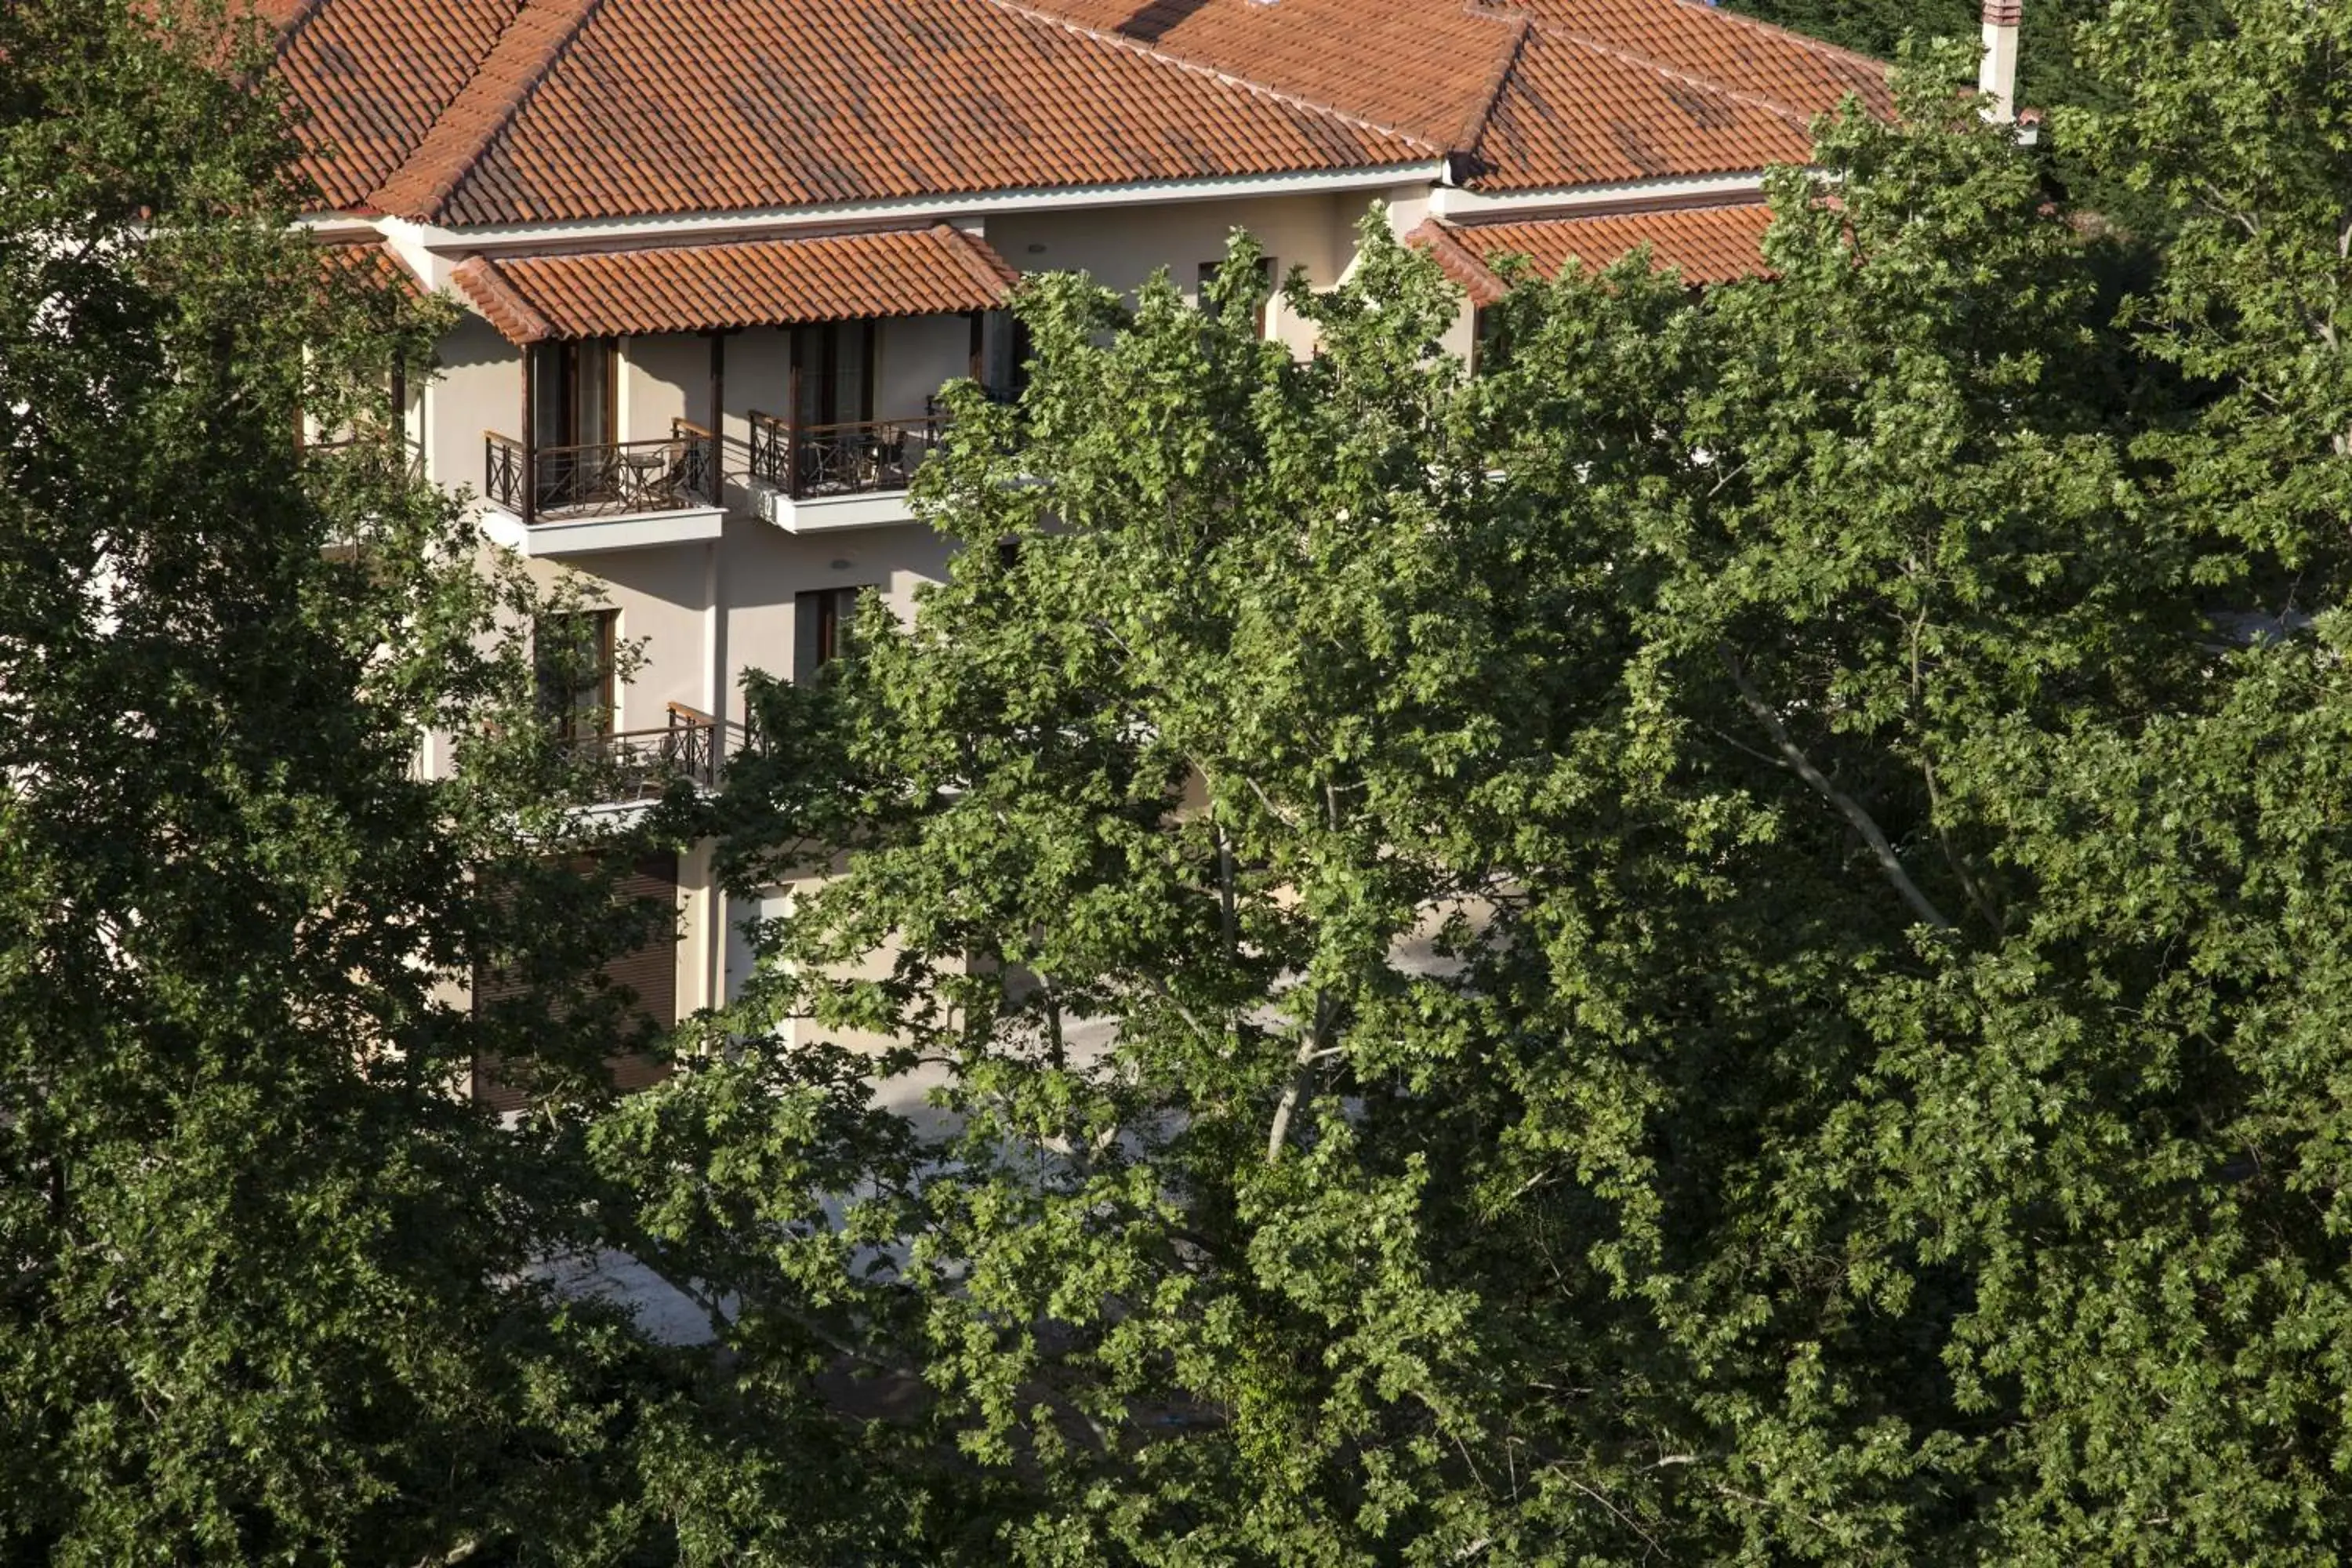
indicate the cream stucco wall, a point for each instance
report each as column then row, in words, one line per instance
column 1119, row 247
column 663, row 378
column 917, row 355
column 477, row 387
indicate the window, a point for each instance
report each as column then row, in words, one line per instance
column 1490, row 345
column 823, row 622
column 573, row 658
column 1208, row 275
column 572, row 387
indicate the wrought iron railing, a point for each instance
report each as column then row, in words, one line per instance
column 641, row 765
column 862, row 458
column 603, row 479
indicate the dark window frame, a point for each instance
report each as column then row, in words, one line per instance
column 817, row 361
column 822, row 622
column 1208, row 272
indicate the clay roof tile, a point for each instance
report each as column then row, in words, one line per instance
column 511, row 111
column 748, row 283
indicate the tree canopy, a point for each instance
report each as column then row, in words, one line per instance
column 264, row 1287
column 1718, row 942
column 1726, row 940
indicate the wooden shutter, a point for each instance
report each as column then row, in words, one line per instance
column 651, row 971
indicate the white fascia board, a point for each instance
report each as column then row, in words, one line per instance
column 1454, row 201
column 551, row 539
column 831, row 514
column 330, row 228
column 413, row 242
column 966, row 211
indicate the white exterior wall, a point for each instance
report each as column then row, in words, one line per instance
column 762, row 568
column 914, row 357
column 663, row 378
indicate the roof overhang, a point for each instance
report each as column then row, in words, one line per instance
column 746, row 283
column 1470, row 204
column 970, row 210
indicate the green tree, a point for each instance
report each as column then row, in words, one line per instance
column 2231, row 139
column 1697, row 946
column 266, row 1288
column 2052, row 70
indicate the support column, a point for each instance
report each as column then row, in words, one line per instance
column 703, row 929
column 529, row 437
column 717, row 422
column 711, row 897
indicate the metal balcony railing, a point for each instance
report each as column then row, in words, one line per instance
column 863, row 458
column 641, row 765
column 604, row 478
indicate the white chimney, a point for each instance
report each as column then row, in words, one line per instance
column 1997, row 77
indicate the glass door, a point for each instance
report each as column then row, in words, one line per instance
column 572, row 418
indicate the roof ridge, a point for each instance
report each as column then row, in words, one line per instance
column 988, row 269
column 533, row 39
column 1474, row 129
column 1455, row 260
column 501, row 303
column 1202, row 68
column 1770, row 105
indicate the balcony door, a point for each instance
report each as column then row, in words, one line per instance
column 572, row 418
column 832, row 371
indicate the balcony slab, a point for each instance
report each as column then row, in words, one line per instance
column 831, row 514
column 552, row 537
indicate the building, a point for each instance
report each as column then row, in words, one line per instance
column 718, row 257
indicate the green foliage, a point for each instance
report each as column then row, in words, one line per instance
column 1709, row 945
column 1696, row 947
column 2235, row 143
column 2052, row 71
column 263, row 1278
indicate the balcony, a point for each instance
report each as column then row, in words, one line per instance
column 634, row 765
column 819, row 478
column 610, row 495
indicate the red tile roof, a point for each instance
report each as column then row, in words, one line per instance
column 499, row 111
column 371, row 76
column 1421, row 69
column 374, row 262
column 1735, row 53
column 774, row 282
column 1704, row 245
column 1573, row 112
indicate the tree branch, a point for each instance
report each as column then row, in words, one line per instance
column 1890, row 864
column 1228, row 925
column 1302, row 1067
